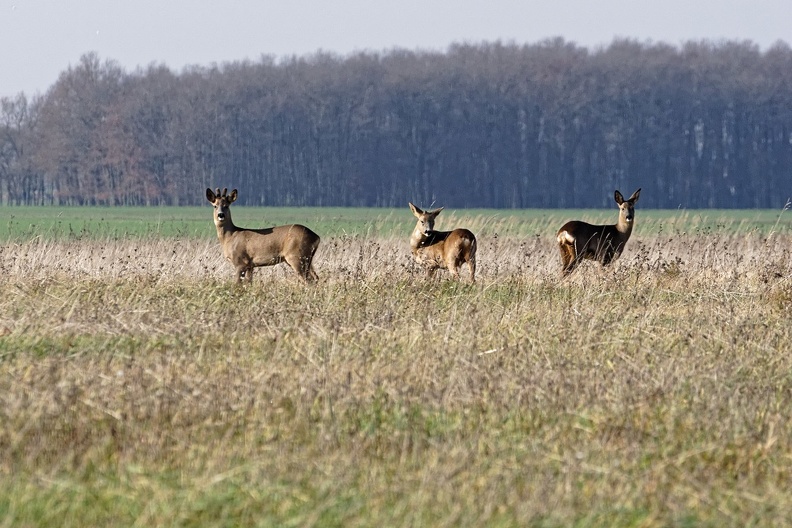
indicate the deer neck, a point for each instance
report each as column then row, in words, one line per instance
column 417, row 239
column 226, row 228
column 421, row 240
column 624, row 228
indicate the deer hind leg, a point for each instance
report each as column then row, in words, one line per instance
column 472, row 267
column 312, row 275
column 453, row 263
column 302, row 265
column 309, row 274
column 470, row 257
column 569, row 258
column 465, row 257
column 454, row 271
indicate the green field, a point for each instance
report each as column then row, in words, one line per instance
column 140, row 386
column 196, row 222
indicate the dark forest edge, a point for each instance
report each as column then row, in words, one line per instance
column 25, row 223
column 491, row 125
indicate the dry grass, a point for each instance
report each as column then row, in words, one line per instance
column 139, row 386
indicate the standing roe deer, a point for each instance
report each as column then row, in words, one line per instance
column 246, row 249
column 604, row 243
column 441, row 249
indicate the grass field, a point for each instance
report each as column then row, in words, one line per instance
column 140, row 387
column 21, row 223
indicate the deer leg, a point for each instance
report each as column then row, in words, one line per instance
column 472, row 267
column 452, row 265
column 301, row 266
column 310, row 274
column 610, row 256
column 569, row 259
column 564, row 258
column 307, row 268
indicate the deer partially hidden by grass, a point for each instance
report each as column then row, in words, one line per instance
column 441, row 249
column 604, row 243
column 246, row 249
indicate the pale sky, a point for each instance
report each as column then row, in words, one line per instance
column 39, row 39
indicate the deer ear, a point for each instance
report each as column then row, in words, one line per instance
column 210, row 195
column 435, row 212
column 415, row 210
column 232, row 197
column 635, row 195
column 618, row 197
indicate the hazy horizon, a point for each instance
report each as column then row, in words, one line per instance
column 46, row 39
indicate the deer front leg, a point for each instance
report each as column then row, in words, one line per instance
column 610, row 255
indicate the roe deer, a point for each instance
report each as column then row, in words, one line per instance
column 604, row 243
column 246, row 249
column 441, row 249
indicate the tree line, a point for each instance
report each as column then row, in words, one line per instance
column 549, row 124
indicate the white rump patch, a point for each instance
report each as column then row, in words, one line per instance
column 565, row 237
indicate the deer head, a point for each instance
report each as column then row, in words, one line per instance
column 426, row 219
column 221, row 203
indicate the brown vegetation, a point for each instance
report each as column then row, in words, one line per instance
column 138, row 385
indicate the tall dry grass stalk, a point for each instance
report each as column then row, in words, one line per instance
column 139, row 385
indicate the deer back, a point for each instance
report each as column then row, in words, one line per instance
column 273, row 244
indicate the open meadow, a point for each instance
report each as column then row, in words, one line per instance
column 139, row 386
